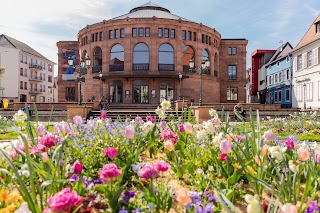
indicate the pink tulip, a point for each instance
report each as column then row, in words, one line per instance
column 103, row 114
column 289, row 208
column 138, row 120
column 64, row 200
column 41, row 129
column 225, row 146
column 223, row 156
column 181, row 128
column 168, row 145
column 168, row 134
column 289, row 144
column 45, row 157
column 188, row 128
column 150, row 118
column 149, row 172
column 303, row 153
column 265, row 149
column 109, row 172
column 268, row 136
column 110, row 153
column 129, row 132
column 77, row 120
column 241, row 137
column 318, row 159
column 183, row 196
column 163, row 125
column 162, row 166
column 77, row 168
column 49, row 140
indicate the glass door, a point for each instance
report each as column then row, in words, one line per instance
column 115, row 92
column 140, row 92
column 166, row 91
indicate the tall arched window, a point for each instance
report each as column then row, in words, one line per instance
column 97, row 60
column 141, row 57
column 205, row 56
column 165, row 58
column 116, row 58
column 188, row 54
column 216, row 67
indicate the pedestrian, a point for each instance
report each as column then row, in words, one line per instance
column 103, row 103
column 238, row 109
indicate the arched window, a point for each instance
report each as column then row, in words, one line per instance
column 216, row 68
column 141, row 57
column 116, row 58
column 188, row 54
column 165, row 58
column 97, row 60
column 205, row 56
column 116, row 92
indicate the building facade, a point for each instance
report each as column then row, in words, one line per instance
column 306, row 69
column 279, row 77
column 143, row 57
column 28, row 75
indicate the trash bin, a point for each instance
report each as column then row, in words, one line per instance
column 5, row 103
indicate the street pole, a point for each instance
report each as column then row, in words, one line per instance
column 80, row 98
column 200, row 99
column 304, row 96
column 180, row 89
column 100, row 77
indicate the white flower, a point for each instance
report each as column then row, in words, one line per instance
column 201, row 134
column 277, row 152
column 200, row 171
column 313, row 145
column 159, row 111
column 26, row 173
column 20, row 116
column 162, row 115
column 165, row 104
column 23, row 208
column 210, row 168
column 213, row 113
column 208, row 125
column 147, row 126
column 254, row 204
column 217, row 139
column 137, row 168
column 293, row 166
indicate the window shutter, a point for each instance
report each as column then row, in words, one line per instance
column 295, row 64
column 304, row 60
column 315, row 56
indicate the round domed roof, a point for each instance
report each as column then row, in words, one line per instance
column 150, row 10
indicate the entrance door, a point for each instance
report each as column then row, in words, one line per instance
column 115, row 92
column 166, row 91
column 140, row 92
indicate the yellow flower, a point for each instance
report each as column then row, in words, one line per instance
column 251, row 170
column 236, row 166
column 11, row 208
column 15, row 196
column 4, row 195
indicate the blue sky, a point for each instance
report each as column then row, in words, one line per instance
column 264, row 23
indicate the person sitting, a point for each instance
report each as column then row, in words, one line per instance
column 239, row 109
column 103, row 103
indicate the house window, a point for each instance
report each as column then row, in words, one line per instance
column 209, row 40
column 270, row 80
column 184, row 35
column 110, row 34
column 317, row 27
column 299, row 62
column 141, row 32
column 116, row 33
column 101, row 36
column 96, row 37
column 194, row 36
column 134, row 32
column 288, row 74
column 21, row 85
column 232, row 50
column 232, row 93
column 299, row 93
column 203, row 38
column 25, row 85
column 21, row 71
column 309, row 91
column 92, row 37
column 287, row 95
column 147, row 32
column 309, row 59
column 166, row 33
column 122, row 33
column 276, row 96
column 280, row 96
column 160, row 32
column 232, row 72
column 276, row 78
column 70, row 94
column 173, row 33
column 189, row 35
column 280, row 76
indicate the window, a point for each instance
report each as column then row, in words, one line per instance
column 141, row 57
column 165, row 58
column 205, row 56
column 160, row 32
column 270, row 80
column 203, row 38
column 25, row 85
column 207, row 40
column 134, row 32
column 318, row 27
column 70, row 94
column 229, row 50
column 232, row 50
column 216, row 67
column 92, row 37
column 116, row 33
column 173, row 33
column 309, row 59
column 33, row 98
column 309, row 91
column 232, row 93
column 117, row 58
column 288, row 74
column 280, row 77
column 96, row 37
column 287, row 59
column 122, row 34
column 21, row 71
column 166, row 33
column 101, row 36
column 148, row 32
column 188, row 54
column 141, row 32
column 276, row 96
column 97, row 60
column 287, row 95
column 280, row 96
column 189, row 35
column 110, row 34
column 49, row 78
column 232, row 72
column 299, row 62
column 25, row 59
column 25, row 72
column 194, row 36
column 299, row 93
column 21, row 85
column 278, row 63
column 184, row 35
column 276, row 78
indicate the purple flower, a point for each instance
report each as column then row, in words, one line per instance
column 74, row 178
column 97, row 181
column 77, row 120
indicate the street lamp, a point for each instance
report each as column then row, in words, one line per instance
column 304, row 96
column 205, row 65
column 100, row 77
column 180, row 86
column 84, row 65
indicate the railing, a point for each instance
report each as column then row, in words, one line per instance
column 36, row 66
column 140, row 67
column 35, row 90
column 96, row 69
column 35, row 78
column 116, row 67
column 166, row 67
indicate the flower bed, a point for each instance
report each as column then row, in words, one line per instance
column 159, row 165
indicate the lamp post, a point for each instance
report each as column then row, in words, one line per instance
column 54, row 87
column 180, row 86
column 304, row 96
column 2, row 70
column 100, row 77
column 205, row 65
column 84, row 65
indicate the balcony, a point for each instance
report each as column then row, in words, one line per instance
column 166, row 67
column 116, row 67
column 35, row 91
column 35, row 67
column 35, row 78
column 96, row 69
column 140, row 67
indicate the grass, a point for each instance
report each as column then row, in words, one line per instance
column 14, row 135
